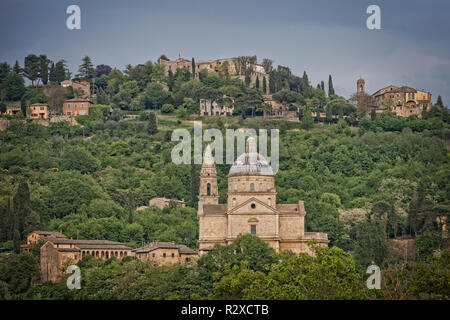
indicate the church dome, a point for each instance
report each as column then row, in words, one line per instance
column 251, row 161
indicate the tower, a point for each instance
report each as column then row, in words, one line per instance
column 360, row 86
column 208, row 193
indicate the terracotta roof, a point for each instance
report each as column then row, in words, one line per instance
column 55, row 234
column 38, row 104
column 78, row 100
column 165, row 245
column 214, row 208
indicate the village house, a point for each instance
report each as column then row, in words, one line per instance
column 13, row 111
column 161, row 203
column 76, row 107
column 278, row 110
column 38, row 111
column 166, row 253
column 403, row 101
column 36, row 236
column 221, row 107
column 251, row 207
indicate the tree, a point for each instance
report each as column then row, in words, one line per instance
column 5, row 69
column 330, row 86
column 102, row 69
column 60, row 71
column 79, row 159
column 264, row 85
column 307, row 120
column 55, row 96
column 370, row 242
column 17, row 69
column 43, row 68
column 322, row 86
column 31, row 68
column 306, row 88
column 257, row 83
column 193, row 70
column 152, row 127
column 14, row 86
column 86, row 69
column 26, row 219
column 439, row 101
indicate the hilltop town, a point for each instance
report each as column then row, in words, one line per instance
column 87, row 179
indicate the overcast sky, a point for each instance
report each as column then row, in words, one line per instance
column 321, row 37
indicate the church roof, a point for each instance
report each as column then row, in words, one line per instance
column 251, row 161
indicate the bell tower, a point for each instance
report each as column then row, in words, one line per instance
column 360, row 86
column 209, row 193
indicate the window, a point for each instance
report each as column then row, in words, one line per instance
column 153, row 255
column 253, row 206
column 82, row 105
column 173, row 255
column 69, row 113
column 68, row 106
column 75, row 106
column 208, row 189
column 164, row 255
column 252, row 187
column 253, row 229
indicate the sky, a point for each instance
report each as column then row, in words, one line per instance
column 317, row 36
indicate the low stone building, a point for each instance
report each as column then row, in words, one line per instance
column 58, row 253
column 38, row 235
column 38, row 111
column 221, row 107
column 166, row 253
column 161, row 203
column 278, row 110
column 251, row 207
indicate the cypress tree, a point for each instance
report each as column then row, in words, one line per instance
column 439, row 101
column 22, row 207
column 330, row 86
column 3, row 227
column 322, row 86
column 264, row 85
column 257, row 83
column 193, row 68
column 152, row 124
column 43, row 65
column 23, row 106
column 52, row 75
column 305, row 85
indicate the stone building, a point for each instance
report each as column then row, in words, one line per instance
column 403, row 101
column 56, row 253
column 278, row 111
column 161, row 203
column 220, row 107
column 166, row 253
column 36, row 236
column 38, row 111
column 232, row 67
column 251, row 207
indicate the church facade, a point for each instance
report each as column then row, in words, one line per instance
column 251, row 207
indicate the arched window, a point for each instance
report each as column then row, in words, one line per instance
column 252, row 187
column 208, row 189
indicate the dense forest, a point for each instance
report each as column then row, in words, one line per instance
column 366, row 180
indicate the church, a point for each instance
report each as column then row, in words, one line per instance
column 251, row 207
